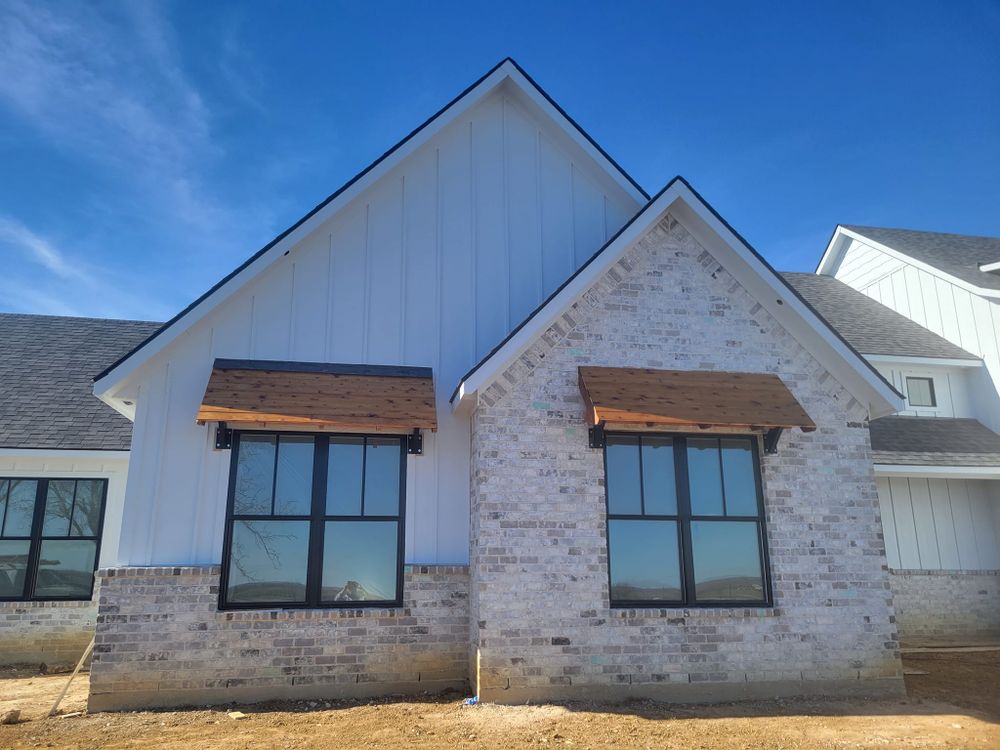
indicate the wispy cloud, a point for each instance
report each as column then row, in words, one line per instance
column 53, row 282
column 105, row 86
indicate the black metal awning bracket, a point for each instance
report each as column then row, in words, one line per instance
column 223, row 437
column 415, row 443
column 596, row 435
column 771, row 438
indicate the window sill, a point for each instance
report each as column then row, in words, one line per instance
column 696, row 613
column 312, row 613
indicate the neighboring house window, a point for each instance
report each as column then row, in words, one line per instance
column 50, row 537
column 314, row 521
column 685, row 521
column 920, row 392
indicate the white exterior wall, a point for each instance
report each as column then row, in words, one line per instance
column 110, row 465
column 954, row 387
column 940, row 524
column 431, row 266
column 932, row 300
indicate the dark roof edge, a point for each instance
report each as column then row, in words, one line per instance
column 333, row 196
column 325, row 368
column 738, row 236
column 54, row 448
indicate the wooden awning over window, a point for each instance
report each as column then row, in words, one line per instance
column 701, row 399
column 348, row 397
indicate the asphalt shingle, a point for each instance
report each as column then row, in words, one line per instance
column 869, row 326
column 47, row 365
column 956, row 254
column 934, row 441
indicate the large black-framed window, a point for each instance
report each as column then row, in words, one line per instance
column 685, row 521
column 314, row 520
column 50, row 537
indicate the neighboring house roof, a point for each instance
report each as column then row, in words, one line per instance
column 505, row 70
column 46, row 369
column 933, row 441
column 959, row 257
column 733, row 252
column 870, row 326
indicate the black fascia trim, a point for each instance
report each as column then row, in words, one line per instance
column 333, row 196
column 325, row 368
column 738, row 236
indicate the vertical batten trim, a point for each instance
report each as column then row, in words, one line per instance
column 574, row 260
column 327, row 328
column 290, row 339
column 439, row 356
column 474, row 244
column 365, row 313
column 158, row 478
column 505, row 177
column 540, row 285
column 253, row 326
column 404, row 262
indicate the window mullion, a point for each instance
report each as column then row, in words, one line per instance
column 684, row 516
column 642, row 481
column 317, row 523
column 364, row 471
column 6, row 506
column 34, row 548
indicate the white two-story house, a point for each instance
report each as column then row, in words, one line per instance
column 936, row 337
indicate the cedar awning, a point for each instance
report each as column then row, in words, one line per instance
column 318, row 394
column 702, row 399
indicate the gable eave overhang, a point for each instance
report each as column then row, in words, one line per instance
column 844, row 362
column 108, row 381
column 833, row 256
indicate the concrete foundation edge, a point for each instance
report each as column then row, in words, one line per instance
column 708, row 692
column 139, row 699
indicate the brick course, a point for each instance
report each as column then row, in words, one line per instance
column 946, row 605
column 541, row 622
column 161, row 640
column 50, row 633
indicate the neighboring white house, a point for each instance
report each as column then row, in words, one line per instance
column 63, row 464
column 938, row 466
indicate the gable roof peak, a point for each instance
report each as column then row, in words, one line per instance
column 506, row 69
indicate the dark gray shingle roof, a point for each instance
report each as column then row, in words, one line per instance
column 47, row 365
column 869, row 326
column 934, row 441
column 955, row 254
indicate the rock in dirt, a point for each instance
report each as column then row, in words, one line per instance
column 236, row 715
column 11, row 717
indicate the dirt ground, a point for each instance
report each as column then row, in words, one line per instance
column 955, row 705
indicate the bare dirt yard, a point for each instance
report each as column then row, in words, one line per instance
column 956, row 704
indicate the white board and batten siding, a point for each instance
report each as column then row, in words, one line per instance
column 962, row 317
column 940, row 524
column 954, row 388
column 432, row 266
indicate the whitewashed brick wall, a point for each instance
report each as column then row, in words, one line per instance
column 50, row 633
column 946, row 605
column 162, row 641
column 540, row 616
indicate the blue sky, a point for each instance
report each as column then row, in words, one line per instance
column 148, row 148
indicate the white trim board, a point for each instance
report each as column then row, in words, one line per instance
column 83, row 455
column 108, row 383
column 896, row 359
column 729, row 249
column 835, row 249
column 917, row 471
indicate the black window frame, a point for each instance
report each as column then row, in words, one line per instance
column 36, row 537
column 930, row 387
column 317, row 519
column 683, row 520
